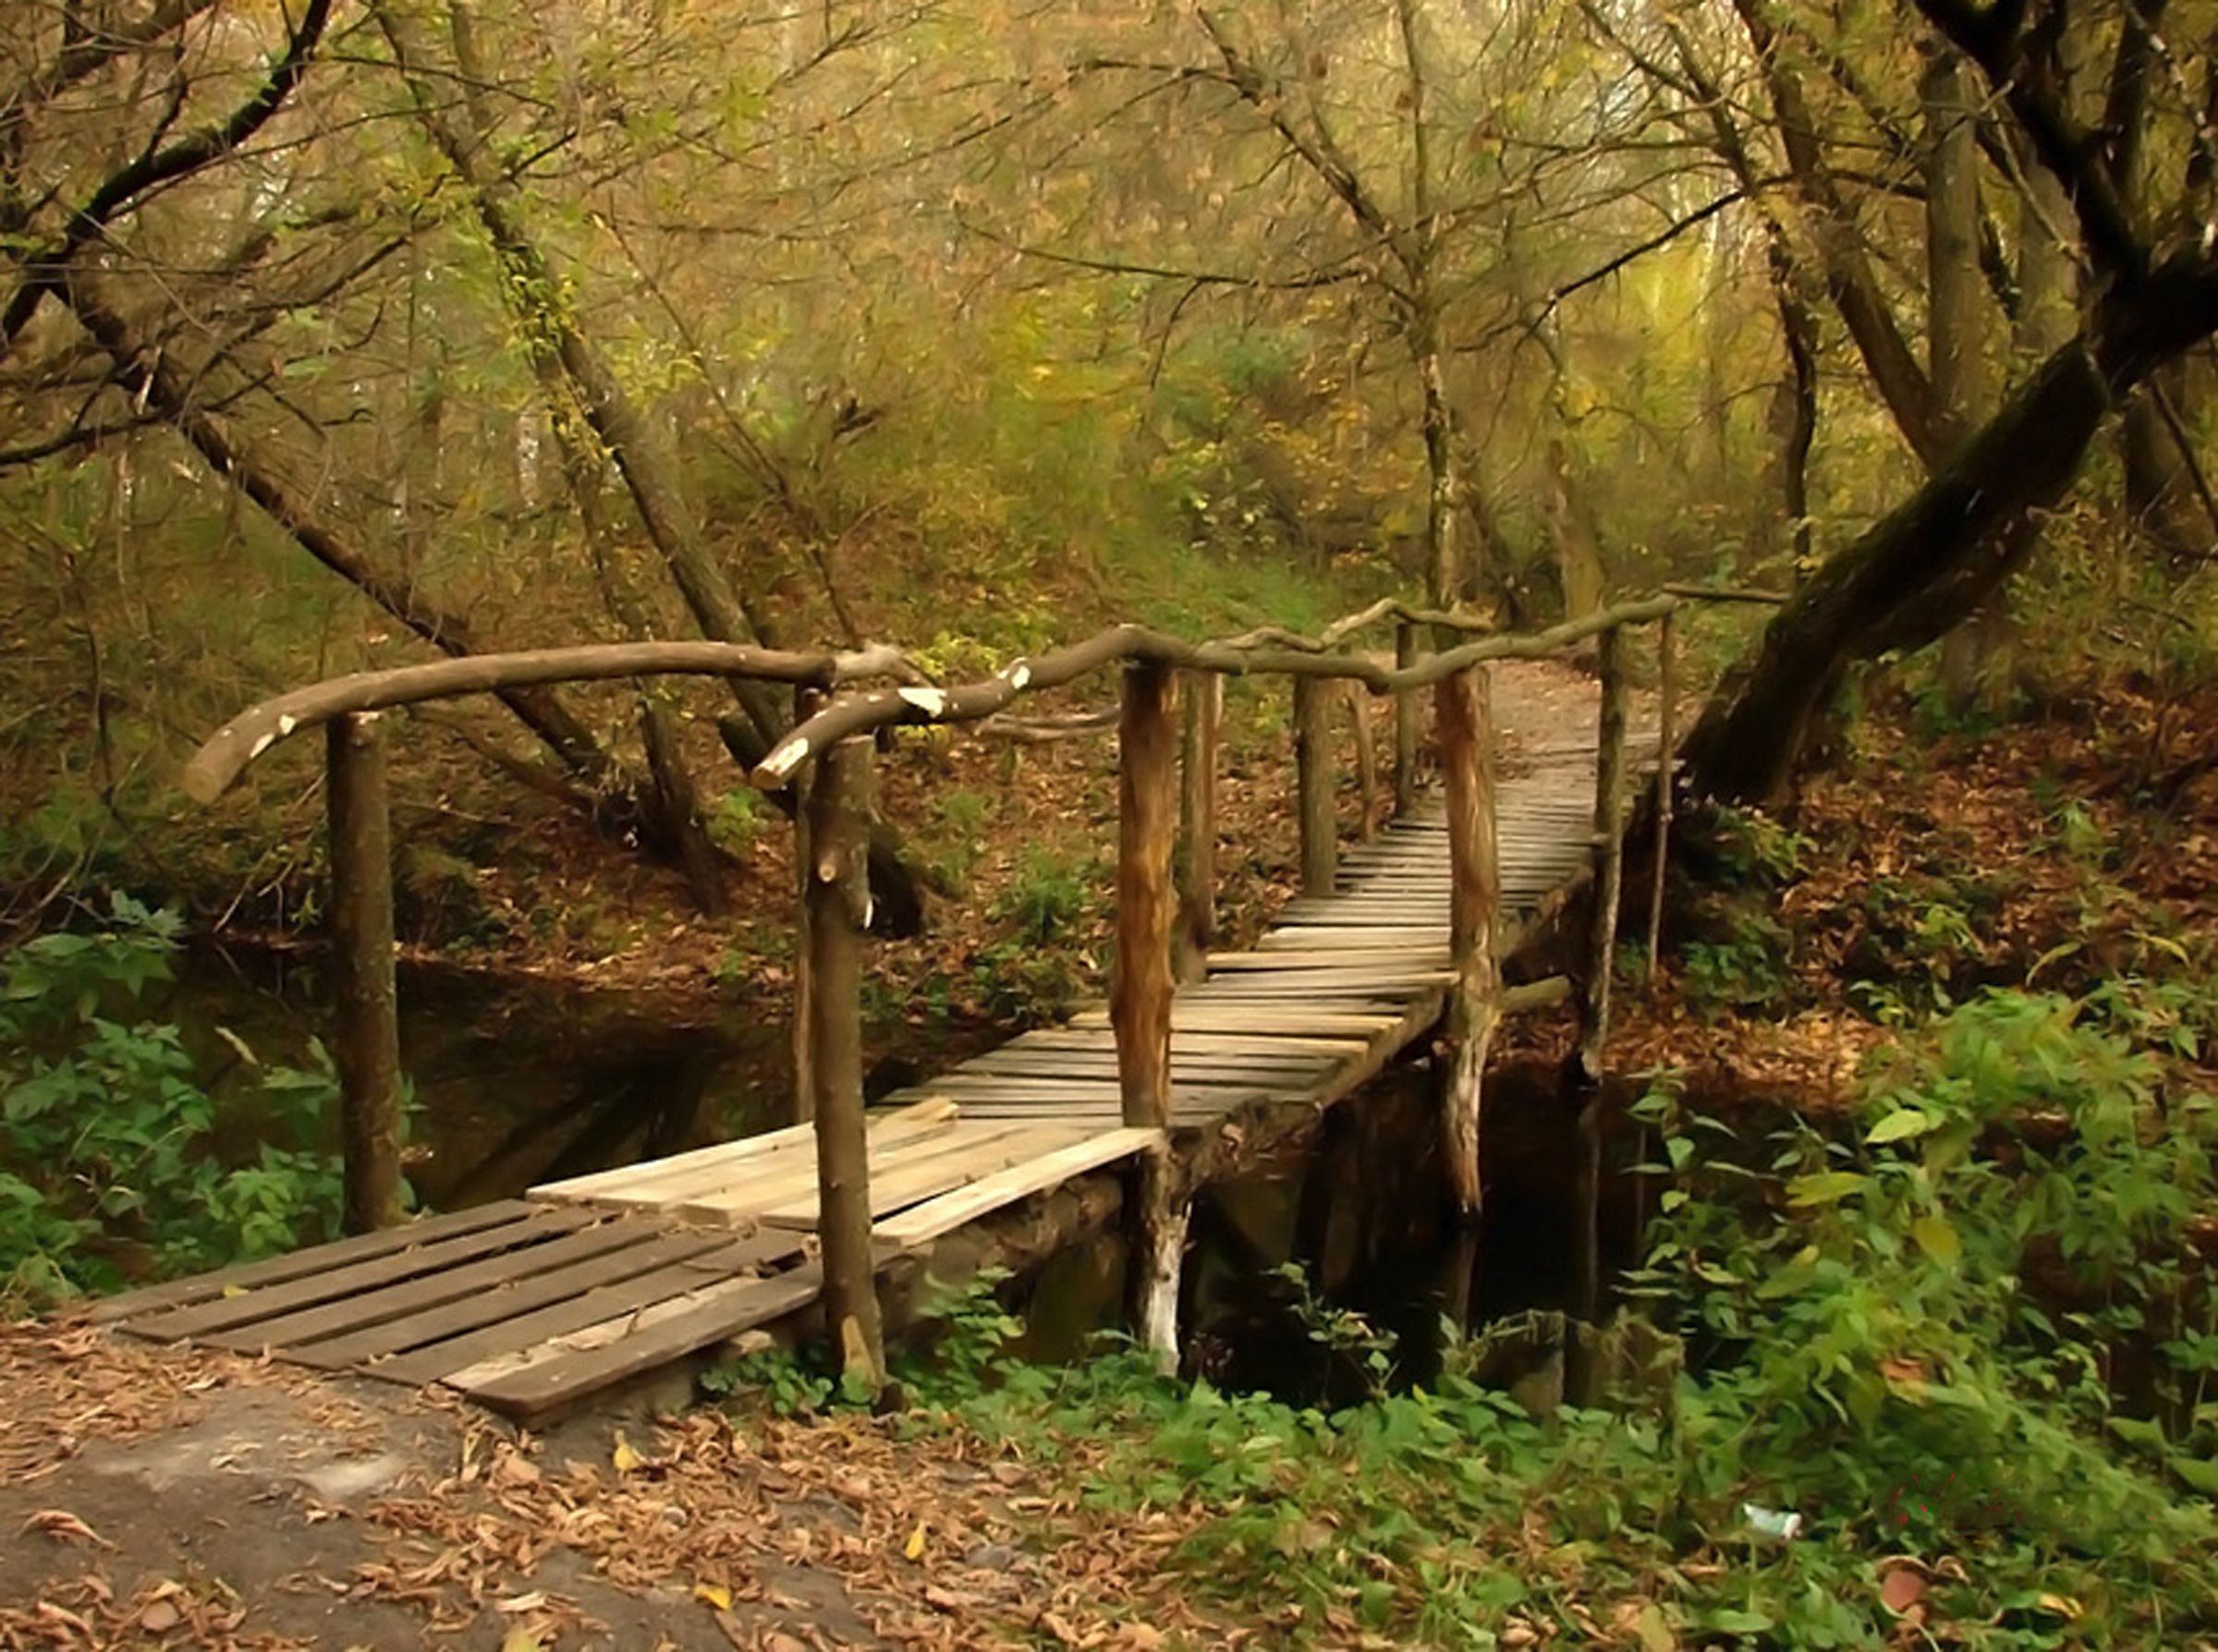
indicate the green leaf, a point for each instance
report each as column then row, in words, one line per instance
column 1936, row 1236
column 1898, row 1125
column 1825, row 1188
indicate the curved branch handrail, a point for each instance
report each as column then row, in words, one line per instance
column 225, row 754
column 859, row 713
column 1341, row 629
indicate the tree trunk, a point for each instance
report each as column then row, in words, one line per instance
column 1313, row 787
column 367, row 1049
column 1141, row 990
column 1464, row 711
column 1198, row 824
column 838, row 908
column 1957, row 362
column 1931, row 560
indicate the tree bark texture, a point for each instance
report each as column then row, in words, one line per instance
column 1408, row 715
column 367, row 1049
column 1313, row 787
column 1139, row 995
column 1464, row 714
column 837, row 912
column 1198, row 824
column 1609, row 861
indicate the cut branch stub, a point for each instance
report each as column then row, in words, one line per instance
column 1465, row 716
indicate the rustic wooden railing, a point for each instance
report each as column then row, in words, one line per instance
column 1165, row 873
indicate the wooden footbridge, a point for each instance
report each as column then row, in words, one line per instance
column 531, row 1305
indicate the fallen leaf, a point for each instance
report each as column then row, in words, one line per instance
column 715, row 1595
column 525, row 1638
column 623, row 1458
column 160, row 1617
column 2062, row 1606
column 521, row 1603
column 914, row 1548
column 1901, row 1590
column 60, row 1522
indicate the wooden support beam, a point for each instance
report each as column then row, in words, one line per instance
column 1463, row 719
column 1140, row 991
column 1609, row 858
column 1198, row 824
column 1313, row 787
column 837, row 907
column 1407, row 718
column 1367, row 761
column 367, row 1048
column 1666, row 736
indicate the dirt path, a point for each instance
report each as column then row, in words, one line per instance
column 153, row 1499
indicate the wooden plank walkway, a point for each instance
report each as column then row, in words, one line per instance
column 532, row 1305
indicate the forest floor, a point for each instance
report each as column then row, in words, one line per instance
column 150, row 1498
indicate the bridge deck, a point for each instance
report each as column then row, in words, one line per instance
column 533, row 1304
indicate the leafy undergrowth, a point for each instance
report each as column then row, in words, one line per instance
column 114, row 1166
column 1946, row 1381
column 2074, row 851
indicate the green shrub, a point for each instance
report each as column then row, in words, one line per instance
column 109, row 1167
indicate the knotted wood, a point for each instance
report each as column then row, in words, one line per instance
column 1408, row 715
column 367, row 1048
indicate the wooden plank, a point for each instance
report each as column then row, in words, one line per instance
column 227, row 1312
column 723, row 1152
column 746, row 1201
column 713, row 1253
column 1324, row 959
column 931, row 1116
column 364, row 1309
column 203, row 1287
column 510, row 1338
column 920, row 1224
column 654, row 1336
column 1238, row 1019
column 911, row 1184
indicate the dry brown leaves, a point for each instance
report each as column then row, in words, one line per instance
column 87, row 1613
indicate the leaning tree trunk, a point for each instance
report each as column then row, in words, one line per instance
column 642, row 455
column 1934, row 558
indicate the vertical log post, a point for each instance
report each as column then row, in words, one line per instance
column 1602, row 944
column 1198, row 824
column 1406, row 719
column 838, row 907
column 1609, row 858
column 1313, row 785
column 1463, row 714
column 1366, row 759
column 1140, row 997
column 1666, row 737
column 807, row 701
column 367, row 1049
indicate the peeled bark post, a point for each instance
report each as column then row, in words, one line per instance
column 837, row 848
column 1609, row 858
column 1463, row 712
column 367, row 1049
column 1140, row 993
column 1666, row 736
column 1198, row 824
column 1313, row 787
column 1405, row 719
